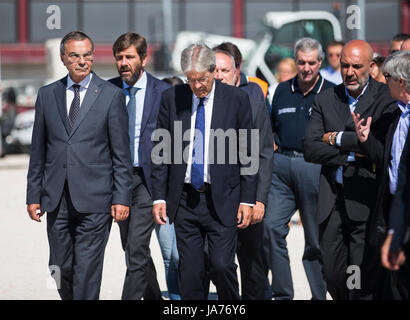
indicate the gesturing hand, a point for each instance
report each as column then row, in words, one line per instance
column 362, row 131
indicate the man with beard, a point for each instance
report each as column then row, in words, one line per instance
column 143, row 94
column 348, row 176
column 295, row 183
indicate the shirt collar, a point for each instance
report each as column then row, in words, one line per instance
column 141, row 82
column 404, row 107
column 353, row 100
column 84, row 83
column 316, row 89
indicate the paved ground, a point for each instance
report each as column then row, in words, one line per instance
column 24, row 248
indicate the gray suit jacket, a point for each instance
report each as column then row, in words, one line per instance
column 94, row 158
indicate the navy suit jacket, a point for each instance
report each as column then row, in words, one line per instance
column 94, row 157
column 153, row 93
column 399, row 217
column 231, row 110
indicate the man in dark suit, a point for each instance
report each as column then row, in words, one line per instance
column 393, row 178
column 249, row 251
column 348, row 176
column 80, row 168
column 143, row 95
column 203, row 197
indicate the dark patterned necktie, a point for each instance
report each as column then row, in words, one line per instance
column 75, row 106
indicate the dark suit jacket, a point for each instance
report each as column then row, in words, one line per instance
column 153, row 93
column 261, row 121
column 379, row 151
column 331, row 112
column 399, row 216
column 231, row 110
column 94, row 157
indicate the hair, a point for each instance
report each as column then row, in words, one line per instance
column 129, row 39
column 198, row 57
column 74, row 35
column 335, row 43
column 307, row 45
column 378, row 59
column 215, row 50
column 398, row 66
column 289, row 61
column 401, row 37
column 173, row 81
column 233, row 51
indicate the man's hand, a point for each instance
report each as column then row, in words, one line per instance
column 362, row 131
column 325, row 138
column 244, row 216
column 258, row 212
column 391, row 260
column 34, row 211
column 119, row 212
column 159, row 211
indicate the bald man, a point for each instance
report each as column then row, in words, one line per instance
column 348, row 175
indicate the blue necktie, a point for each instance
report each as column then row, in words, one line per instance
column 197, row 168
column 132, row 110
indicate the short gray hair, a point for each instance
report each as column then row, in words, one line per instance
column 197, row 57
column 307, row 45
column 398, row 66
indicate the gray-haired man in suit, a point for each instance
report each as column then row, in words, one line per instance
column 80, row 169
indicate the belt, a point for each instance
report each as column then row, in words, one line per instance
column 204, row 188
column 290, row 153
column 137, row 170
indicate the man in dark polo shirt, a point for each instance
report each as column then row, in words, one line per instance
column 295, row 183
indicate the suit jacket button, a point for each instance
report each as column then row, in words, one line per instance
column 64, row 165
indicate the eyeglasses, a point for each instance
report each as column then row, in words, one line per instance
column 202, row 80
column 75, row 57
column 387, row 76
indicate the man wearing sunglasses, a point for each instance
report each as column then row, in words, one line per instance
column 332, row 71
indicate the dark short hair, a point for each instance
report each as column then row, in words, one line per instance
column 401, row 36
column 173, row 81
column 74, row 35
column 131, row 39
column 379, row 60
column 233, row 50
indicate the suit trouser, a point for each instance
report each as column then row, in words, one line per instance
column 196, row 219
column 342, row 243
column 295, row 185
column 249, row 253
column 141, row 277
column 77, row 243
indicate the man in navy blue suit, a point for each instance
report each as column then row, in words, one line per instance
column 204, row 198
column 143, row 94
